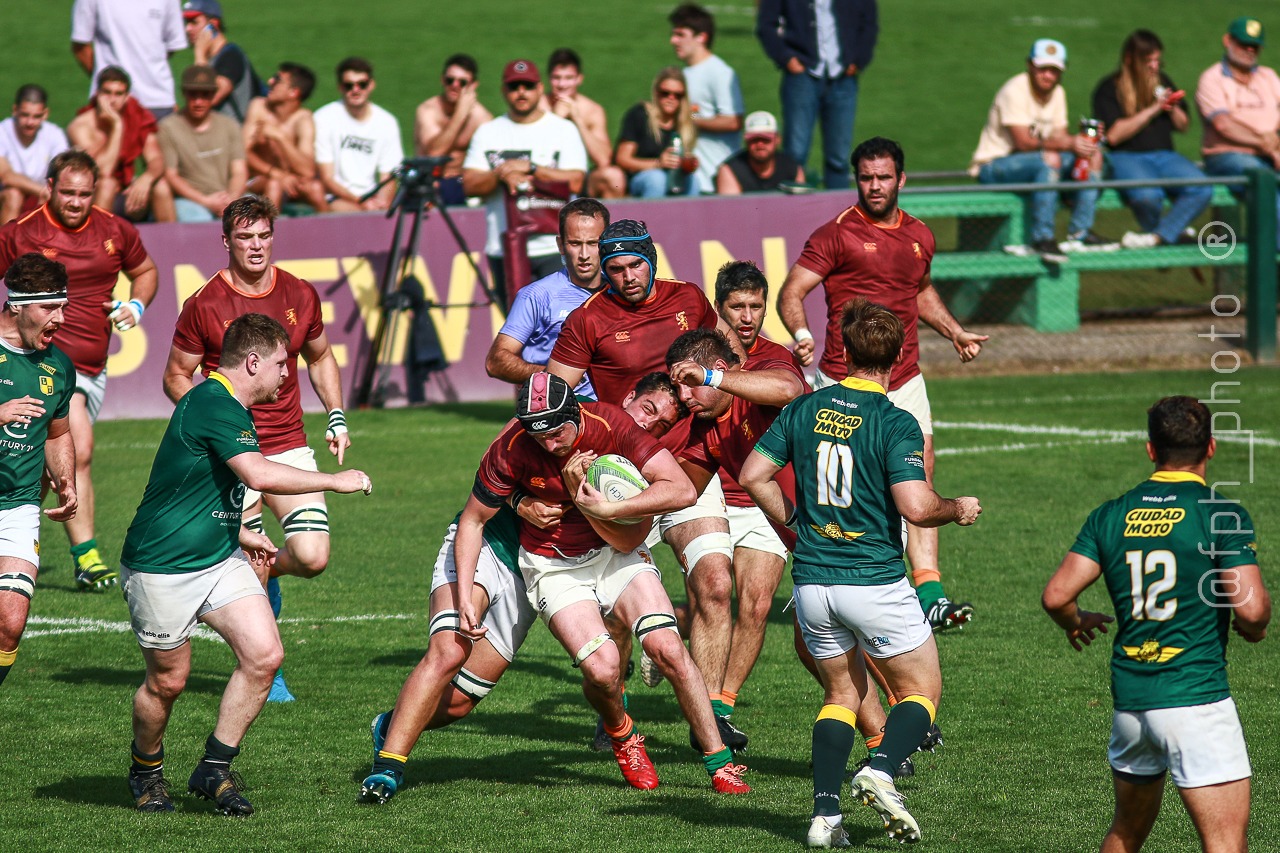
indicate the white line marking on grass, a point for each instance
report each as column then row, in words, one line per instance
column 1008, row 447
column 1230, row 437
column 57, row 627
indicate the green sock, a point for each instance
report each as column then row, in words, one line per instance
column 716, row 760
column 908, row 722
column 144, row 762
column 78, row 551
column 833, row 738
column 929, row 592
column 389, row 761
column 625, row 705
column 721, row 708
column 217, row 752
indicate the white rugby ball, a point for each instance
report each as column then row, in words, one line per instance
column 618, row 479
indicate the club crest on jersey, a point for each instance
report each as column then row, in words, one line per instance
column 682, row 321
column 291, row 316
column 915, row 247
column 835, row 424
column 1151, row 652
column 109, row 246
column 46, row 385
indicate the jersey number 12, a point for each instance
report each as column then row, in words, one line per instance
column 1141, row 565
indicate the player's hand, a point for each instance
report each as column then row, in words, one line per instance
column 1083, row 633
column 968, row 510
column 969, row 344
column 804, row 352
column 351, row 481
column 338, row 445
column 539, row 513
column 593, row 502
column 259, row 551
column 575, row 469
column 68, row 502
column 1249, row 636
column 23, row 411
column 124, row 315
column 688, row 373
column 470, row 622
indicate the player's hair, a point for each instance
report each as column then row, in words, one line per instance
column 34, row 273
column 659, row 382
column 696, row 18
column 1135, row 89
column 564, row 56
column 739, row 275
column 115, row 74
column 358, row 64
column 31, row 93
column 72, row 161
column 465, row 61
column 877, row 147
column 246, row 209
column 703, row 346
column 1179, row 429
column 584, row 206
column 873, row 335
column 251, row 333
column 301, row 78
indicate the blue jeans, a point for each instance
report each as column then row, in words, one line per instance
column 1028, row 167
column 652, row 183
column 1147, row 203
column 805, row 99
column 1234, row 163
column 191, row 211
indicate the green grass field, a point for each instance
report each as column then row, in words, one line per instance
column 1025, row 718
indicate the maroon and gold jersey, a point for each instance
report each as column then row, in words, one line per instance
column 883, row 263
column 94, row 254
column 516, row 459
column 291, row 301
column 619, row 343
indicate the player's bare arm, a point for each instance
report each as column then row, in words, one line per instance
column 503, row 361
column 262, row 475
column 326, row 379
column 756, row 477
column 798, row 285
column 697, row 475
column 1250, row 602
column 143, row 282
column 572, row 375
column 1074, row 576
column 922, row 506
column 178, row 371
column 466, row 554
column 934, row 312
column 60, row 460
column 772, row 387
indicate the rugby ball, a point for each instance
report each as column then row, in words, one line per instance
column 618, row 479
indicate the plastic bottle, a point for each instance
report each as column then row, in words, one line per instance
column 676, row 177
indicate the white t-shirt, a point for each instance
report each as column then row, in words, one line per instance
column 138, row 36
column 714, row 90
column 32, row 161
column 550, row 141
column 358, row 150
column 1016, row 106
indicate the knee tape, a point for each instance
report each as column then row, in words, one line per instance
column 591, row 647
column 17, row 582
column 445, row 620
column 254, row 523
column 708, row 543
column 471, row 685
column 654, row 622
column 309, row 518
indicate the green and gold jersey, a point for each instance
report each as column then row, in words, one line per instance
column 49, row 377
column 848, row 445
column 1166, row 549
column 189, row 518
column 502, row 533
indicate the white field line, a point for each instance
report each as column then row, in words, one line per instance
column 1107, row 435
column 47, row 626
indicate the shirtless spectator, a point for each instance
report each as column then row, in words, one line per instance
column 115, row 130
column 564, row 70
column 444, row 123
column 27, row 143
column 280, row 140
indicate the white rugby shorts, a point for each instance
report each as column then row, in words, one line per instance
column 20, row 533
column 886, row 620
column 1199, row 745
column 509, row 615
column 164, row 609
column 602, row 576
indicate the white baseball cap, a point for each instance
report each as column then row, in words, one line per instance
column 1049, row 53
column 760, row 123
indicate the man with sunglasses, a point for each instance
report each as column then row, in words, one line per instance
column 203, row 152
column 280, row 140
column 514, row 153
column 760, row 166
column 357, row 142
column 445, row 123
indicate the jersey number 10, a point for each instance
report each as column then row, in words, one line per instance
column 835, row 475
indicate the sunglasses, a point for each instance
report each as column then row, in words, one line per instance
column 518, row 85
column 457, row 81
column 348, row 85
column 671, row 93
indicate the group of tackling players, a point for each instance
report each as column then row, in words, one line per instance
column 744, row 466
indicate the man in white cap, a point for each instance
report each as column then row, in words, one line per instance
column 759, row 166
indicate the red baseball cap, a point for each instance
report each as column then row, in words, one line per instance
column 521, row 71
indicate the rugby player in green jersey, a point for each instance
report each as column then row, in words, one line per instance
column 1181, row 567
column 188, row 558
column 36, row 383
column 859, row 470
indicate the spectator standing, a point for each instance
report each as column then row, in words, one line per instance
column 136, row 35
column 822, row 47
column 1141, row 108
column 115, row 130
column 760, row 166
column 280, row 140
column 715, row 98
column 646, row 141
column 28, row 140
column 357, row 142
column 238, row 83
column 444, row 123
column 203, row 152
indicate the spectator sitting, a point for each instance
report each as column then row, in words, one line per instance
column 115, row 130
column 280, row 140
column 357, row 142
column 203, row 151
column 1239, row 104
column 444, row 123
column 1141, row 108
column 715, row 98
column 760, row 166
column 28, row 142
column 238, row 83
column 1026, row 140
column 645, row 151
column 564, row 70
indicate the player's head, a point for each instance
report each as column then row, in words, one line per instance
column 1179, row 432
column 257, row 345
column 873, row 336
column 582, row 221
column 712, row 351
column 654, row 404
column 248, row 234
column 878, row 166
column 628, row 260
column 37, row 295
column 73, row 177
column 742, row 294
column 549, row 412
